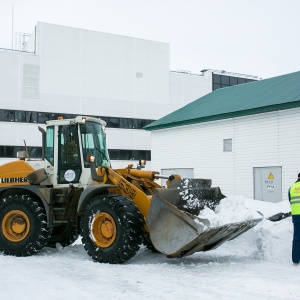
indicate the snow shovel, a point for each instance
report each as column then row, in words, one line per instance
column 178, row 233
column 279, row 216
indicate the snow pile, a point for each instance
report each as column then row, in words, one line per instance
column 191, row 200
column 230, row 210
column 274, row 240
column 270, row 241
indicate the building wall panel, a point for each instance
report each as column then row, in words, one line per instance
column 262, row 140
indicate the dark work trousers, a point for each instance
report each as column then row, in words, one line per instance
column 296, row 243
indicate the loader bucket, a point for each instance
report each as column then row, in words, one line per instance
column 177, row 233
column 192, row 195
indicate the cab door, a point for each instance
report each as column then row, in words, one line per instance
column 69, row 160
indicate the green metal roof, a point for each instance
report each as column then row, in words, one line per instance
column 255, row 97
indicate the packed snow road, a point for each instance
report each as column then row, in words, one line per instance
column 256, row 265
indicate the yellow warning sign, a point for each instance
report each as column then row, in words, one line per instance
column 270, row 176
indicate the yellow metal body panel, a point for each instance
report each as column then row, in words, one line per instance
column 135, row 192
column 15, row 173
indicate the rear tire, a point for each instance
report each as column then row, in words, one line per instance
column 111, row 229
column 23, row 226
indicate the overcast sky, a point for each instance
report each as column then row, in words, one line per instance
column 257, row 37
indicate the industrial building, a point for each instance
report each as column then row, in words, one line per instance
column 243, row 137
column 64, row 71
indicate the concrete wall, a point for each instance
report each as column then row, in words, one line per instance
column 83, row 72
column 99, row 73
column 187, row 87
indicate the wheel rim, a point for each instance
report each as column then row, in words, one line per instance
column 15, row 226
column 104, row 229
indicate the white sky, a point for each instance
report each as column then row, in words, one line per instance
column 257, row 37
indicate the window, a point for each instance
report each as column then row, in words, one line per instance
column 227, row 145
column 217, row 78
column 225, row 80
column 221, row 81
column 43, row 117
column 126, row 123
column 49, row 145
column 216, row 86
column 69, row 162
column 241, row 80
column 8, row 115
column 113, row 122
column 69, row 144
column 233, row 80
column 114, row 154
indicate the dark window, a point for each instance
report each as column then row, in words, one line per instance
column 114, row 154
column 53, row 116
column 136, row 124
column 145, row 154
column 20, row 116
column 241, row 80
column 233, row 81
column 105, row 119
column 8, row 115
column 113, row 122
column 216, row 78
column 126, row 123
column 125, row 154
column 68, row 116
column 68, row 144
column 43, row 117
column 69, row 162
column 16, row 149
column 7, row 151
column 144, row 123
column 30, row 117
column 34, row 152
column 134, row 155
column 224, row 80
column 216, row 86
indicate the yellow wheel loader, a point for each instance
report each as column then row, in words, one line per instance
column 72, row 190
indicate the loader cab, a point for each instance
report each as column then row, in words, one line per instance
column 72, row 147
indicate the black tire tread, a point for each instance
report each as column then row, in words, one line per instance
column 131, row 224
column 39, row 234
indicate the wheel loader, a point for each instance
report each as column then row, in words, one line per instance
column 72, row 190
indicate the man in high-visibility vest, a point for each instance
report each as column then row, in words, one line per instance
column 294, row 197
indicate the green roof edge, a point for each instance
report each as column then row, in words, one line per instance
column 241, row 113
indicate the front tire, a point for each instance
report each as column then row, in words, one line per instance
column 111, row 229
column 23, row 226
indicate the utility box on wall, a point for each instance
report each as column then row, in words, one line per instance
column 268, row 184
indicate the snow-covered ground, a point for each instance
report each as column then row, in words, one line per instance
column 256, row 265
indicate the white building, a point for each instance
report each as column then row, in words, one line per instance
column 65, row 71
column 244, row 138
